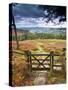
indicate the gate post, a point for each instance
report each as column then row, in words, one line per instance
column 29, row 63
column 51, row 60
column 27, row 57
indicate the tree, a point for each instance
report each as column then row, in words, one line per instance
column 53, row 12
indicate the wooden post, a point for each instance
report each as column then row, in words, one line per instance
column 27, row 57
column 30, row 62
column 12, row 23
column 51, row 60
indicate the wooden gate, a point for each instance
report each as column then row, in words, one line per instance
column 40, row 61
column 43, row 61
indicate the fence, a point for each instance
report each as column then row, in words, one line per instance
column 46, row 63
column 36, row 62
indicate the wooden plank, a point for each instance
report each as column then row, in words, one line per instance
column 58, row 55
column 57, row 65
column 43, row 64
column 40, row 59
column 35, row 61
column 40, row 54
column 45, row 54
column 40, row 69
column 18, row 52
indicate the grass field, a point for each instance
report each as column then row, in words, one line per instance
column 45, row 44
column 20, row 74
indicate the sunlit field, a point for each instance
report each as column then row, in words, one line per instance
column 21, row 75
column 45, row 44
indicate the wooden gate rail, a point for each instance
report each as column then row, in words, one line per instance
column 41, row 62
column 33, row 60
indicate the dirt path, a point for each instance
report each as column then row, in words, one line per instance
column 40, row 77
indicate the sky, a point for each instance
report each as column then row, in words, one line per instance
column 28, row 15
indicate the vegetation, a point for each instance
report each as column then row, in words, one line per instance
column 21, row 76
column 31, row 36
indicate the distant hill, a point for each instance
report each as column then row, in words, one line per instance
column 42, row 30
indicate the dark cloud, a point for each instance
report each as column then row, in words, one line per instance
column 36, row 11
column 27, row 10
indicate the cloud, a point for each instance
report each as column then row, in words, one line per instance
column 28, row 11
column 38, row 22
column 27, row 15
